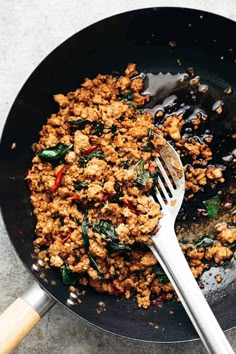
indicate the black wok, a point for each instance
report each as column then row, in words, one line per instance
column 204, row 41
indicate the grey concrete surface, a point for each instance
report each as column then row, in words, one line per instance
column 29, row 30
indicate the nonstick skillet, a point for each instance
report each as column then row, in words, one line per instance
column 204, row 41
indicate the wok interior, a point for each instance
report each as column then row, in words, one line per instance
column 141, row 37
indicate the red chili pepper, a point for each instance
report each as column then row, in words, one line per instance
column 74, row 197
column 151, row 169
column 58, row 179
column 66, row 238
column 105, row 198
column 130, row 206
column 91, row 149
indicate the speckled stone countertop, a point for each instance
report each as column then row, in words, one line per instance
column 29, row 30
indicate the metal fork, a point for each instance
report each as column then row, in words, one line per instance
column 169, row 193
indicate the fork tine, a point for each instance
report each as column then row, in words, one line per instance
column 165, row 176
column 163, row 189
column 163, row 152
column 160, row 199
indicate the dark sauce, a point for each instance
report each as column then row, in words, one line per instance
column 185, row 94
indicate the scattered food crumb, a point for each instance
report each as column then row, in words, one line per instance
column 218, row 107
column 101, row 307
column 13, row 146
column 72, row 288
column 218, row 278
column 228, row 90
column 172, row 44
column 179, row 62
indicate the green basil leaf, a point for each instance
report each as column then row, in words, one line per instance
column 148, row 146
column 68, row 276
column 85, row 158
column 205, row 242
column 85, row 228
column 94, row 265
column 80, row 185
column 106, row 229
column 80, row 124
column 128, row 96
column 161, row 275
column 119, row 247
column 212, row 205
column 98, row 128
column 142, row 174
column 55, row 153
column 119, row 193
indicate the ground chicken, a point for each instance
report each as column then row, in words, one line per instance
column 219, row 253
column 90, row 194
column 225, row 234
column 148, row 259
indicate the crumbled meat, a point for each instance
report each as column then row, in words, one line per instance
column 99, row 220
column 219, row 253
column 225, row 234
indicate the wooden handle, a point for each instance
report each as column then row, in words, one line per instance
column 15, row 323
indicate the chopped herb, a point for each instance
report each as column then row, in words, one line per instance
column 106, row 229
column 142, row 174
column 188, row 250
column 85, row 228
column 77, row 222
column 62, row 221
column 128, row 96
column 119, row 247
column 85, row 237
column 205, row 242
column 98, row 128
column 132, row 105
column 80, row 123
column 161, row 275
column 97, row 154
column 148, row 146
column 154, row 176
column 113, row 129
column 68, row 276
column 212, row 205
column 116, row 197
column 80, row 185
column 84, row 159
column 55, row 154
column 126, row 163
column 94, row 265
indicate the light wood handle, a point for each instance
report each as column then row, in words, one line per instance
column 15, row 323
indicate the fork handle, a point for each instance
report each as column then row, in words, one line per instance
column 169, row 254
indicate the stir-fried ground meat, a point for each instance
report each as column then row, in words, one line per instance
column 93, row 168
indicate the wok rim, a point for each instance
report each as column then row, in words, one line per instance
column 7, row 229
